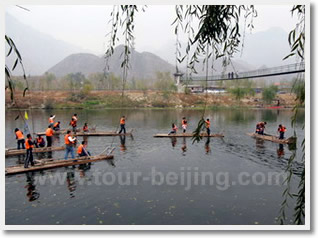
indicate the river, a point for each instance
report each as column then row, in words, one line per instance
column 166, row 183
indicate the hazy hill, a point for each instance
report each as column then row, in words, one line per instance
column 39, row 51
column 142, row 65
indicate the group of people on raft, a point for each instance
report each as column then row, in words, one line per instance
column 184, row 125
column 69, row 140
column 260, row 128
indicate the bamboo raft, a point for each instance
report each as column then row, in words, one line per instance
column 188, row 135
column 102, row 133
column 290, row 140
column 13, row 152
column 50, row 164
column 96, row 133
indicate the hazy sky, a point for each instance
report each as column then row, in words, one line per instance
column 86, row 26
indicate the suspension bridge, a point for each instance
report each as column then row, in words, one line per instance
column 260, row 73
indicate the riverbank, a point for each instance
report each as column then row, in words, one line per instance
column 138, row 99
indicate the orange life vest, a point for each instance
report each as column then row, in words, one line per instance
column 122, row 121
column 85, row 128
column 66, row 140
column 207, row 124
column 49, row 132
column 27, row 144
column 39, row 140
column 80, row 149
column 19, row 135
column 282, row 129
column 175, row 128
column 184, row 122
column 56, row 124
column 51, row 120
column 73, row 123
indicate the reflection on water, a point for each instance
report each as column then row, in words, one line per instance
column 280, row 151
column 70, row 179
column 144, row 203
column 207, row 146
column 184, row 146
column 122, row 143
column 32, row 193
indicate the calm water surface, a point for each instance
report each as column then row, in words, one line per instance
column 101, row 194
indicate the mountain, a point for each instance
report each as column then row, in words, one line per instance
column 266, row 48
column 39, row 51
column 142, row 65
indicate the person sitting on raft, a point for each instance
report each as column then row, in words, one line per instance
column 56, row 126
column 81, row 150
column 281, row 129
column 184, row 124
column 39, row 142
column 20, row 138
column 174, row 129
column 51, row 120
column 29, row 155
column 85, row 127
column 207, row 126
column 260, row 127
column 122, row 125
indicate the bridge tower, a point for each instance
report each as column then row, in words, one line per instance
column 178, row 79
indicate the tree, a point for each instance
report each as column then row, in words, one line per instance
column 269, row 93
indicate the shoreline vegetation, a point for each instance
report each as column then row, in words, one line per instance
column 140, row 99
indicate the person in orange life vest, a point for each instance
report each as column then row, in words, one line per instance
column 82, row 151
column 56, row 126
column 207, row 126
column 85, row 127
column 122, row 125
column 39, row 142
column 184, row 124
column 281, row 129
column 260, row 127
column 29, row 155
column 69, row 142
column 174, row 129
column 20, row 138
column 73, row 122
column 51, row 120
column 49, row 136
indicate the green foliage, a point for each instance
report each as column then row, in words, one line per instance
column 269, row 93
column 87, row 88
column 164, row 82
column 240, row 88
column 299, row 89
column 238, row 93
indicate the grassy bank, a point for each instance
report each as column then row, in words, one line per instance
column 137, row 99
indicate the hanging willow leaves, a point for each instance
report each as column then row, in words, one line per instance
column 296, row 39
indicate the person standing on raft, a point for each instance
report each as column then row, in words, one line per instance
column 29, row 155
column 184, row 124
column 174, row 129
column 69, row 142
column 281, row 129
column 73, row 122
column 49, row 136
column 122, row 125
column 207, row 126
column 56, row 126
column 20, row 138
column 51, row 120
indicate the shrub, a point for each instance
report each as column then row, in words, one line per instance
column 269, row 93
